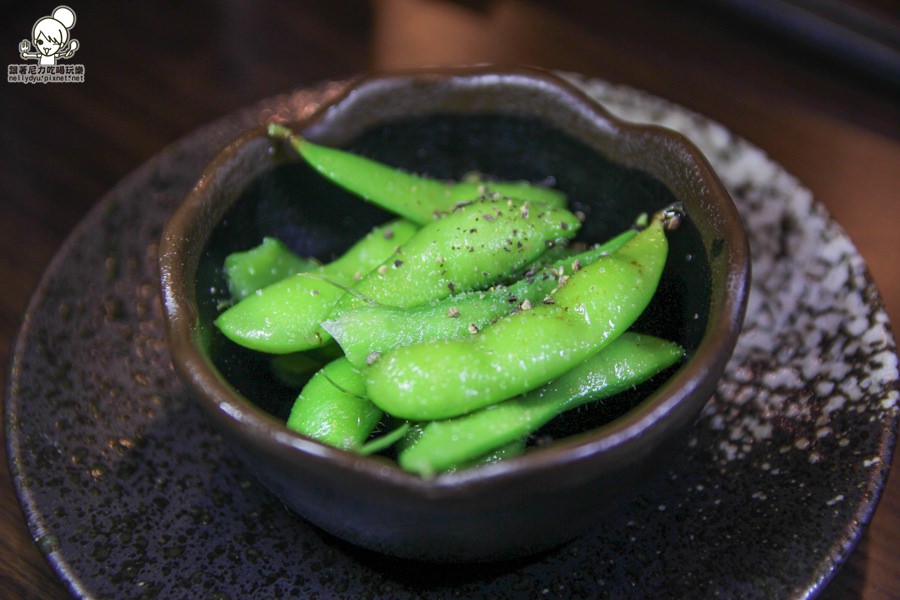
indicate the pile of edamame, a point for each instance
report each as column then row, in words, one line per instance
column 450, row 334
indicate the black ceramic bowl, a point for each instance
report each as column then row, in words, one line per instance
column 516, row 124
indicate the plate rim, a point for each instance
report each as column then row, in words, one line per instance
column 827, row 566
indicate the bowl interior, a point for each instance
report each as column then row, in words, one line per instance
column 290, row 201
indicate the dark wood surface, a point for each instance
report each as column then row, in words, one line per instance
column 157, row 70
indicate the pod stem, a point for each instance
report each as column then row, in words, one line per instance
column 280, row 132
column 671, row 216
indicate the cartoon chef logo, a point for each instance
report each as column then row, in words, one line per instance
column 50, row 38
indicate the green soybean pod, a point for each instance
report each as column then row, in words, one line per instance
column 407, row 433
column 447, row 378
column 262, row 265
column 626, row 362
column 474, row 246
column 285, row 316
column 509, row 450
column 505, row 452
column 370, row 251
column 366, row 332
column 332, row 408
column 419, row 199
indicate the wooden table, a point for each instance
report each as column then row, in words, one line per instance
column 155, row 71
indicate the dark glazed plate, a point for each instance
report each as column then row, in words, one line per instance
column 130, row 494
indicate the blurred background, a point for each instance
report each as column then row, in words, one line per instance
column 792, row 78
column 815, row 84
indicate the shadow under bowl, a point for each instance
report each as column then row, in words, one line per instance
column 511, row 124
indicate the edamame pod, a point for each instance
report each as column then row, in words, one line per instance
column 474, row 246
column 447, row 378
column 368, row 331
column 332, row 407
column 262, row 265
column 419, row 199
column 371, row 251
column 283, row 317
column 627, row 361
column 286, row 315
column 504, row 452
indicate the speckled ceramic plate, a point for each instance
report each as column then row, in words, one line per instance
column 131, row 495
